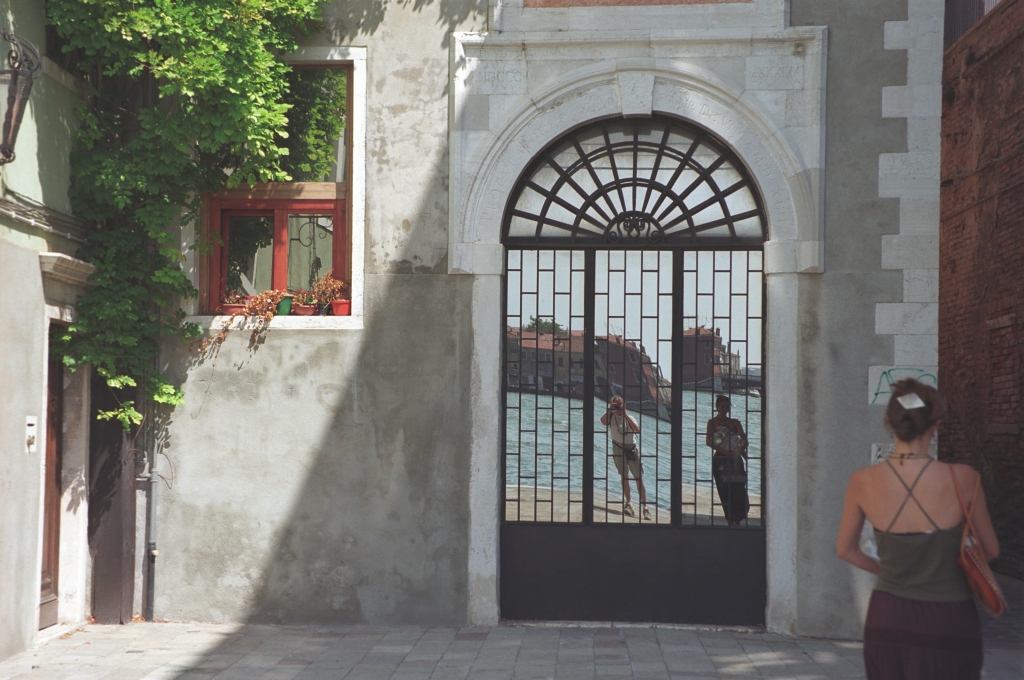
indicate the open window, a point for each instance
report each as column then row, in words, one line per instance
column 269, row 241
column 286, row 235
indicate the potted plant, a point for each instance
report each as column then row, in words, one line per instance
column 284, row 305
column 330, row 291
column 232, row 304
column 258, row 310
column 304, row 303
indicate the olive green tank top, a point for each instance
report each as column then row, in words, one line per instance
column 921, row 566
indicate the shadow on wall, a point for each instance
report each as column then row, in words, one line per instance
column 347, row 21
column 377, row 530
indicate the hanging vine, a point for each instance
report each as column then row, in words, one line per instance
column 184, row 97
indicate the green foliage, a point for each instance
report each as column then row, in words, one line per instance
column 545, row 326
column 315, row 122
column 184, row 97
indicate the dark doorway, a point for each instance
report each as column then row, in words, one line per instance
column 48, row 602
column 634, row 299
column 111, row 509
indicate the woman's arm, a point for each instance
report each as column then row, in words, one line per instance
column 710, row 439
column 848, row 541
column 737, row 427
column 979, row 515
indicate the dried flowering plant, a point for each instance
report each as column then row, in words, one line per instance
column 327, row 288
column 260, row 309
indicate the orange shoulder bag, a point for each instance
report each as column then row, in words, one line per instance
column 972, row 558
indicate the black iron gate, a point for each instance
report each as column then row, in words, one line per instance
column 634, row 272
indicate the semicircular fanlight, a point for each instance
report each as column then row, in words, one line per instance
column 633, row 183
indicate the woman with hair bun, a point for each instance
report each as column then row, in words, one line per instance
column 922, row 621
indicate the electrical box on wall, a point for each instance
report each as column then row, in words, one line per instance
column 31, row 434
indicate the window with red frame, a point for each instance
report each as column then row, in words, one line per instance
column 282, row 244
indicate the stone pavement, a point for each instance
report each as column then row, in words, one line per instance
column 191, row 651
column 162, row 651
column 166, row 651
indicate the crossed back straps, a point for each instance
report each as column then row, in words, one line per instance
column 910, row 495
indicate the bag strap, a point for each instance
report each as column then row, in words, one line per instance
column 968, row 523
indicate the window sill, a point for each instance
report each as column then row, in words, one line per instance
column 308, row 323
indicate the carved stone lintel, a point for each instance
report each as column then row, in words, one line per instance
column 65, row 268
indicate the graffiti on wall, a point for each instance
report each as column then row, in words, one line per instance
column 882, row 378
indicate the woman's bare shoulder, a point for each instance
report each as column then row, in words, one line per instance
column 862, row 477
column 964, row 473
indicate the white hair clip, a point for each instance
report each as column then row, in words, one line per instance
column 911, row 401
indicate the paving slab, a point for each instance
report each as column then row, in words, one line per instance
column 192, row 651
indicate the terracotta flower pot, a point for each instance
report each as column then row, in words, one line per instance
column 229, row 309
column 341, row 307
column 303, row 310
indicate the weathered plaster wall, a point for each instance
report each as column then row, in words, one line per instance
column 40, row 174
column 324, row 476
column 22, row 381
column 38, row 178
column 875, row 216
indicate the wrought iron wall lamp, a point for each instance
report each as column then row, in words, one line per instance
column 23, row 66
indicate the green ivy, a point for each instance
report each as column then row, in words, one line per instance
column 184, row 97
column 315, row 121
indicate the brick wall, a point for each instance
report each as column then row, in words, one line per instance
column 981, row 256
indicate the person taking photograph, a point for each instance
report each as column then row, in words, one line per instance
column 625, row 453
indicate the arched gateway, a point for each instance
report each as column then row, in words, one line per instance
column 634, row 269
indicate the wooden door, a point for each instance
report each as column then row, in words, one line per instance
column 52, row 492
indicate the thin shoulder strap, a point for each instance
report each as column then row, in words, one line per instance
column 968, row 509
column 910, row 494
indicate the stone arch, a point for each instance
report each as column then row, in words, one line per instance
column 788, row 183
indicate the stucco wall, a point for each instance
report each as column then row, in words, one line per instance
column 881, row 217
column 22, row 379
column 324, row 476
column 40, row 174
column 38, row 177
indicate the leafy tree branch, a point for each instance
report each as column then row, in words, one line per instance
column 184, row 97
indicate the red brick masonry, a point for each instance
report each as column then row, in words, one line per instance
column 625, row 3
column 981, row 254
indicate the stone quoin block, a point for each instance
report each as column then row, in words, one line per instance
column 922, row 350
column 896, row 101
column 916, row 252
column 906, row 318
column 919, row 215
column 908, row 174
column 921, row 285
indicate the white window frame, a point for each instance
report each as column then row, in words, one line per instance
column 355, row 59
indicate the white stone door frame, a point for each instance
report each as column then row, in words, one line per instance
column 513, row 94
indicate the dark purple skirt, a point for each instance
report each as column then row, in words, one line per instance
column 914, row 640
